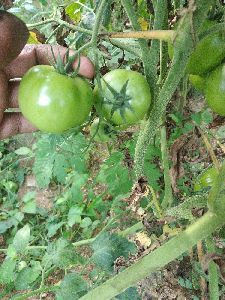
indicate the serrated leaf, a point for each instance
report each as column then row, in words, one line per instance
column 107, row 248
column 61, row 164
column 52, row 159
column 115, row 175
column 21, row 239
column 7, row 271
column 72, row 287
column 28, row 275
column 63, row 254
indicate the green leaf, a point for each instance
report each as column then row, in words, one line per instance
column 30, row 207
column 73, row 11
column 61, row 164
column 55, row 156
column 63, row 254
column 72, row 287
column 7, row 271
column 29, row 196
column 53, row 228
column 28, row 275
column 86, row 222
column 30, row 203
column 74, row 215
column 21, row 239
column 107, row 248
column 23, row 151
column 115, row 175
column 129, row 294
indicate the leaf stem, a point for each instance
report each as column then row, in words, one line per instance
column 36, row 292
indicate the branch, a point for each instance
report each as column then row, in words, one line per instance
column 164, row 35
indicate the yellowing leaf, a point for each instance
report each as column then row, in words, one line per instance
column 171, row 231
column 143, row 23
column 73, row 11
column 143, row 239
column 33, row 38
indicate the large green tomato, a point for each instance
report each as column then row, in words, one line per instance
column 205, row 179
column 209, row 53
column 215, row 90
column 126, row 97
column 53, row 102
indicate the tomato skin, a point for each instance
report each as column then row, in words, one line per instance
column 206, row 179
column 214, row 90
column 137, row 89
column 209, row 53
column 53, row 102
column 197, row 81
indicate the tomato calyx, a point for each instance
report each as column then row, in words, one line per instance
column 121, row 100
column 65, row 67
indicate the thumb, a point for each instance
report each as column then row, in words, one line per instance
column 13, row 37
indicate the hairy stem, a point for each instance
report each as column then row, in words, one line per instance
column 212, row 272
column 168, row 195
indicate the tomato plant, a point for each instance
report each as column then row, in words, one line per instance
column 53, row 102
column 215, row 90
column 126, row 97
column 205, row 179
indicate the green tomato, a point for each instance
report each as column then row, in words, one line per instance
column 105, row 131
column 215, row 90
column 126, row 97
column 209, row 53
column 53, row 102
column 197, row 81
column 205, row 179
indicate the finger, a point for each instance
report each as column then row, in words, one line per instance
column 14, row 123
column 3, row 93
column 13, row 87
column 42, row 55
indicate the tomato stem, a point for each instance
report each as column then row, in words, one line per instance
column 164, row 35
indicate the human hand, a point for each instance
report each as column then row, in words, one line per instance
column 12, row 123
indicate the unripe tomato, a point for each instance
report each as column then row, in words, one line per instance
column 209, row 53
column 205, row 179
column 53, row 102
column 197, row 81
column 215, row 90
column 126, row 97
